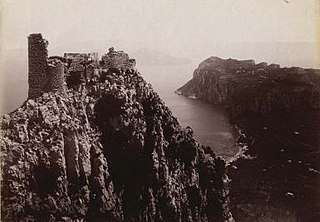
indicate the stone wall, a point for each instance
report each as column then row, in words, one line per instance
column 117, row 59
column 91, row 56
column 37, row 56
column 55, row 73
column 45, row 74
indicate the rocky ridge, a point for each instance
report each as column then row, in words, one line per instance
column 245, row 87
column 109, row 150
column 276, row 175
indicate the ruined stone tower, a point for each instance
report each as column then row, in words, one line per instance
column 55, row 73
column 44, row 75
column 37, row 56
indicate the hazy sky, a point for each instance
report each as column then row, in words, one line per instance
column 181, row 27
column 275, row 31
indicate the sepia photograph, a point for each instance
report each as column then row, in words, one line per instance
column 160, row 111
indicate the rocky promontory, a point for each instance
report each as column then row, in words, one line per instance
column 276, row 175
column 105, row 147
column 247, row 88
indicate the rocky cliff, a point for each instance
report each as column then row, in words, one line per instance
column 109, row 150
column 249, row 88
column 276, row 175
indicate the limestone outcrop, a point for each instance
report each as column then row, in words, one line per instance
column 247, row 88
column 107, row 151
column 276, row 175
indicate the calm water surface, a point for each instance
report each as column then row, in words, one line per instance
column 209, row 123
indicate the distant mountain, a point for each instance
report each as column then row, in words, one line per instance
column 146, row 56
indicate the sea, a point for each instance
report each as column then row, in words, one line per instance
column 210, row 123
column 211, row 127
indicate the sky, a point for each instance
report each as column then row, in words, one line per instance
column 275, row 31
column 180, row 27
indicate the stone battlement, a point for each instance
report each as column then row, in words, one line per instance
column 117, row 59
column 57, row 73
column 91, row 56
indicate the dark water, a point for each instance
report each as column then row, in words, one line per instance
column 282, row 181
column 209, row 123
column 291, row 179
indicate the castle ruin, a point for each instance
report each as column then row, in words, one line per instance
column 55, row 74
column 45, row 75
column 37, row 60
column 117, row 59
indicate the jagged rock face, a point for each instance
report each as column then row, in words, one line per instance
column 247, row 88
column 53, row 165
column 276, row 176
column 111, row 151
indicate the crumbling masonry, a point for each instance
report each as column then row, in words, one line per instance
column 117, row 59
column 44, row 75
column 55, row 75
column 71, row 71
